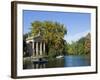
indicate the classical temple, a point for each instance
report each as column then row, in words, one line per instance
column 36, row 46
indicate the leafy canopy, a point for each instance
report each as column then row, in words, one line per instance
column 52, row 33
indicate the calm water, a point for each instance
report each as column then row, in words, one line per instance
column 66, row 61
column 70, row 61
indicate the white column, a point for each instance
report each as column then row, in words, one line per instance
column 36, row 48
column 33, row 49
column 44, row 65
column 44, row 47
column 37, row 66
column 40, row 48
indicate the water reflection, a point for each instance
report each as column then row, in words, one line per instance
column 37, row 66
column 66, row 61
column 72, row 61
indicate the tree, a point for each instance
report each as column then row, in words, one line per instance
column 52, row 33
column 72, row 49
column 80, row 47
column 87, row 44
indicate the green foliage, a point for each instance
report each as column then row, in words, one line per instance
column 80, row 47
column 52, row 33
column 52, row 53
column 72, row 48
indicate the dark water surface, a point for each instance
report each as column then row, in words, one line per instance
column 66, row 61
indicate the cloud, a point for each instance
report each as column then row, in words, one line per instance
column 69, row 38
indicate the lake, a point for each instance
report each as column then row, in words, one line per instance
column 66, row 61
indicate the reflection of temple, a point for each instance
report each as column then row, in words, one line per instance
column 37, row 44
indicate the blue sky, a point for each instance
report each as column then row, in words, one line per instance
column 77, row 24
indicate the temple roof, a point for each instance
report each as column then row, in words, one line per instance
column 35, row 38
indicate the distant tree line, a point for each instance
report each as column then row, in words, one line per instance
column 80, row 47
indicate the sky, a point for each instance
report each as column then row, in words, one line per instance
column 77, row 24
